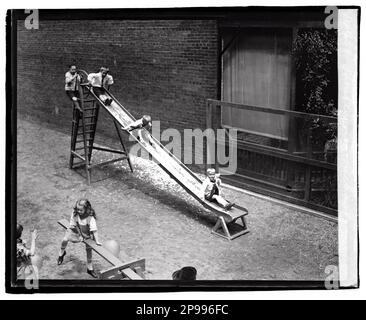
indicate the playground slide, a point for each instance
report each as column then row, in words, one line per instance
column 167, row 161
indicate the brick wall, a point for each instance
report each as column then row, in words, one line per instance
column 166, row 68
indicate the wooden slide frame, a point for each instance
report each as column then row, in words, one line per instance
column 223, row 228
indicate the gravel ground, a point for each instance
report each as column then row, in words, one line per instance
column 152, row 217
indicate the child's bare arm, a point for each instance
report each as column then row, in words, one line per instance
column 203, row 189
column 96, row 238
column 33, row 244
column 218, row 184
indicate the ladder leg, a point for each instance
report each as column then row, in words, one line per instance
column 225, row 228
column 123, row 145
column 244, row 222
column 72, row 138
column 87, row 168
column 95, row 113
column 221, row 223
column 88, row 174
column 86, row 136
column 74, row 130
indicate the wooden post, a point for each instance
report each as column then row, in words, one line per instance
column 208, row 126
column 308, row 167
column 216, row 125
column 221, row 227
column 292, row 127
column 74, row 127
column 95, row 114
column 123, row 145
column 292, row 132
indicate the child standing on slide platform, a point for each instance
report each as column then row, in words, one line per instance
column 72, row 78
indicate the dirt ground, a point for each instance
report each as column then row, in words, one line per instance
column 153, row 218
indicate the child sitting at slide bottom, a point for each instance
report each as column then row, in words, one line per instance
column 211, row 190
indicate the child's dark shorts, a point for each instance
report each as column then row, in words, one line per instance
column 98, row 91
column 72, row 94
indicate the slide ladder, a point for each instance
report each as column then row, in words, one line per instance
column 84, row 124
column 226, row 225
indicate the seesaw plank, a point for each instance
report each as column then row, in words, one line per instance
column 105, row 274
column 104, row 253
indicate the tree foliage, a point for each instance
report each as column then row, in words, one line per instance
column 315, row 54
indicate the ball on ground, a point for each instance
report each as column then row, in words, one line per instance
column 113, row 247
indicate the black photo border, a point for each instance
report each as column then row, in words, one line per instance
column 82, row 286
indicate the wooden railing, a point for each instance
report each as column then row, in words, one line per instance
column 282, row 173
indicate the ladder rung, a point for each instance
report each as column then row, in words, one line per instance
column 86, row 124
column 108, row 162
column 87, row 109
column 75, row 154
column 88, row 131
column 86, row 117
column 82, row 148
column 78, row 164
column 88, row 139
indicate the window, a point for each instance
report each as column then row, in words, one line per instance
column 257, row 72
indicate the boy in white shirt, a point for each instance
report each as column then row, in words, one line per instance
column 82, row 226
column 99, row 81
column 211, row 190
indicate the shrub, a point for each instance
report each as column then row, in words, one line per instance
column 315, row 55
